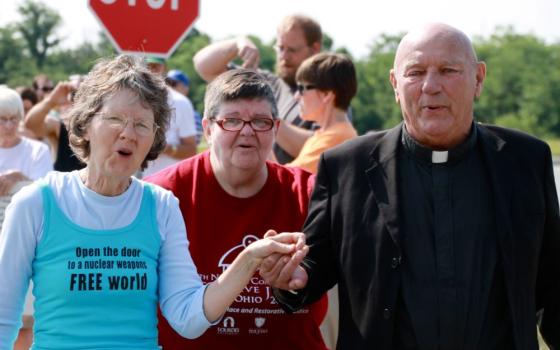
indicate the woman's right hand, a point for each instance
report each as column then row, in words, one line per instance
column 284, row 271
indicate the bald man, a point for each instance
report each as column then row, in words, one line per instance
column 442, row 233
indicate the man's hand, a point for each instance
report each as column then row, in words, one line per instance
column 283, row 271
column 248, row 52
column 61, row 94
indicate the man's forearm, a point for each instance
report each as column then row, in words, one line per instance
column 212, row 60
column 35, row 118
column 292, row 138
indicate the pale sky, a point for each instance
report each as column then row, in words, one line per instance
column 351, row 23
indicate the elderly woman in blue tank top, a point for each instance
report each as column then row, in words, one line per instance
column 102, row 247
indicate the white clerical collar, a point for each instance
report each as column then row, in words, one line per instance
column 428, row 155
column 440, row 156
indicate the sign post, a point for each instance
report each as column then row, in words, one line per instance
column 150, row 27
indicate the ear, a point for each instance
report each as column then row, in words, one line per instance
column 327, row 97
column 393, row 80
column 206, row 130
column 316, row 47
column 277, row 123
column 480, row 77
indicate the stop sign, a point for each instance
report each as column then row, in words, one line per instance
column 151, row 27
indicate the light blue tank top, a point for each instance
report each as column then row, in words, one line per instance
column 96, row 289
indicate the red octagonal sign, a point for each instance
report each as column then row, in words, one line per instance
column 151, row 27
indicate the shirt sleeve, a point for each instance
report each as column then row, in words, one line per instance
column 42, row 163
column 181, row 290
column 184, row 114
column 18, row 239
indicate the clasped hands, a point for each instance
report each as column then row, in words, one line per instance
column 280, row 255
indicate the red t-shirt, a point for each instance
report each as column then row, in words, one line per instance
column 219, row 226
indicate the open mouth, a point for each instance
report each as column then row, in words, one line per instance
column 124, row 152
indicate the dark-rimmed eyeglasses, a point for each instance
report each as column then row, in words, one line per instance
column 141, row 127
column 236, row 124
column 46, row 88
column 301, row 88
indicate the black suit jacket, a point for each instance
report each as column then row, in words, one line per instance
column 353, row 232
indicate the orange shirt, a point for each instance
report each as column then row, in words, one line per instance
column 322, row 140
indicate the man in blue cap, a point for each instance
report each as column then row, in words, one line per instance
column 181, row 136
column 181, row 83
column 178, row 81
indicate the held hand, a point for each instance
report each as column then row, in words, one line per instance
column 248, row 52
column 285, row 272
column 285, row 243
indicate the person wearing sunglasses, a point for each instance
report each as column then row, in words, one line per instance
column 104, row 248
column 230, row 196
column 326, row 85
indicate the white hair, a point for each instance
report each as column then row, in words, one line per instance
column 10, row 103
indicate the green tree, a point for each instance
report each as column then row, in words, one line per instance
column 182, row 59
column 37, row 29
column 374, row 106
column 12, row 59
column 522, row 84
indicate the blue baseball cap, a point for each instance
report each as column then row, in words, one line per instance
column 178, row 76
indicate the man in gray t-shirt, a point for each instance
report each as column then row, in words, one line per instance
column 297, row 38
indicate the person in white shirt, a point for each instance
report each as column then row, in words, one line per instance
column 181, row 135
column 22, row 160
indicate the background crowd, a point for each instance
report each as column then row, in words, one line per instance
column 267, row 124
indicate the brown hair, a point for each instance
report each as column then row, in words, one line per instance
column 108, row 77
column 330, row 72
column 310, row 28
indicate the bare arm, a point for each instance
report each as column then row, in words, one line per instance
column 186, row 149
column 223, row 291
column 292, row 138
column 212, row 60
column 36, row 119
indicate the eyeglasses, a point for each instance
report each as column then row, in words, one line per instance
column 289, row 50
column 301, row 88
column 141, row 127
column 46, row 88
column 236, row 124
column 6, row 120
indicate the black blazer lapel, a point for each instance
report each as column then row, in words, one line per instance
column 500, row 167
column 382, row 177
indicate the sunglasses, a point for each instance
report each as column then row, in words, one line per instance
column 46, row 88
column 301, row 88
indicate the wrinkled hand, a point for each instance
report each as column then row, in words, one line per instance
column 285, row 243
column 248, row 52
column 284, row 271
column 8, row 180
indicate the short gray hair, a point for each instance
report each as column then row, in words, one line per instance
column 237, row 84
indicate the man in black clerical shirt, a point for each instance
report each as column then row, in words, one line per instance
column 441, row 233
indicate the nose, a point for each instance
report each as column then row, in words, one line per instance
column 432, row 83
column 128, row 130
column 246, row 130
